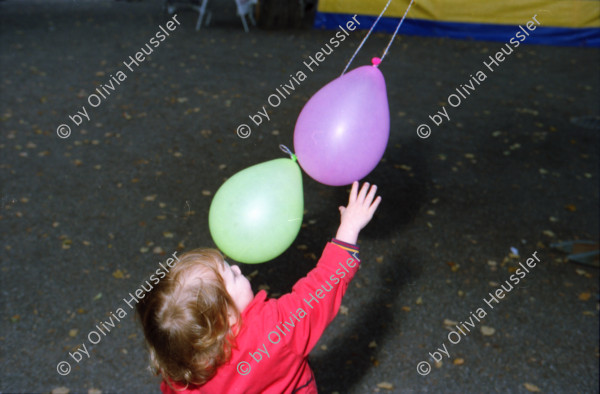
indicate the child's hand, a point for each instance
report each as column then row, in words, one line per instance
column 360, row 210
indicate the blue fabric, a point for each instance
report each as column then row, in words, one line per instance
column 585, row 37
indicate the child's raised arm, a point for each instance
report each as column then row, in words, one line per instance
column 361, row 207
column 303, row 314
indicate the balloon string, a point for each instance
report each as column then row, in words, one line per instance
column 287, row 150
column 396, row 32
column 367, row 36
column 371, row 30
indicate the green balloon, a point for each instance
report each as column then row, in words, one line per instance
column 257, row 213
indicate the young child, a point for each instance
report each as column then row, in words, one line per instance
column 208, row 333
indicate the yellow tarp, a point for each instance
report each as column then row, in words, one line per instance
column 560, row 13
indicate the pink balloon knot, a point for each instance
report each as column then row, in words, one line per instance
column 376, row 61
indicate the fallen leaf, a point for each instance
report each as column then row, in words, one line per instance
column 585, row 296
column 118, row 274
column 66, row 243
column 151, row 197
column 448, row 322
column 488, row 331
column 549, row 233
column 372, row 344
column 532, row 387
column 406, row 308
column 419, row 301
column 344, row 310
column 527, row 111
column 458, row 361
column 570, row 207
column 313, row 256
column 73, row 332
column 61, row 390
column 385, row 385
column 582, row 272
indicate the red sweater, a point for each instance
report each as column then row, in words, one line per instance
column 272, row 347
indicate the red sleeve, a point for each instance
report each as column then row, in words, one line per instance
column 315, row 299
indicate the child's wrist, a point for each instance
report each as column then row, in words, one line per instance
column 347, row 234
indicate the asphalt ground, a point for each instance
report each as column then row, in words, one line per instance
column 85, row 218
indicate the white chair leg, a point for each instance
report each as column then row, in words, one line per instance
column 201, row 11
column 243, row 18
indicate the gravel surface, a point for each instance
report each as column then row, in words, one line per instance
column 85, row 218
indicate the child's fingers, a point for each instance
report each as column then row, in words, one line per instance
column 353, row 192
column 363, row 192
column 371, row 195
column 374, row 206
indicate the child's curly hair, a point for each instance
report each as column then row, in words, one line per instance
column 185, row 318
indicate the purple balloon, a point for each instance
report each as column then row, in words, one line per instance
column 343, row 130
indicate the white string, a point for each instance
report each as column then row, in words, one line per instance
column 287, row 150
column 367, row 36
column 371, row 30
column 396, row 32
